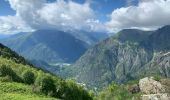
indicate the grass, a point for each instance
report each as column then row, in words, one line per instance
column 18, row 91
column 16, row 96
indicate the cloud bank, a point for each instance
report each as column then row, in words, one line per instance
column 148, row 15
column 13, row 24
column 61, row 15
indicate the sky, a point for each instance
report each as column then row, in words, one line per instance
column 87, row 15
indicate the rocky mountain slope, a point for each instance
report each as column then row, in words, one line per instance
column 128, row 55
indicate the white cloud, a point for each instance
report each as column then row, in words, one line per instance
column 39, row 14
column 62, row 15
column 13, row 24
column 148, row 14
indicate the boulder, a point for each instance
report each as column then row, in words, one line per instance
column 163, row 96
column 150, row 86
column 134, row 89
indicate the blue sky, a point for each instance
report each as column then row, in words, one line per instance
column 86, row 15
column 5, row 8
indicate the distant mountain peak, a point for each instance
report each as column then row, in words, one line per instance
column 132, row 35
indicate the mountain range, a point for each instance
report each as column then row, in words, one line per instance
column 52, row 46
column 128, row 55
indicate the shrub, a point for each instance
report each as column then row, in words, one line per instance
column 72, row 91
column 157, row 78
column 6, row 79
column 46, row 85
column 28, row 77
column 115, row 92
column 7, row 71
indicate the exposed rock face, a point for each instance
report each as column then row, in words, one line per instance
column 152, row 90
column 125, row 56
column 150, row 86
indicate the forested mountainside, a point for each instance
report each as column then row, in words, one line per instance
column 128, row 55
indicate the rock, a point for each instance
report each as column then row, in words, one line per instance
column 150, row 86
column 163, row 96
column 134, row 88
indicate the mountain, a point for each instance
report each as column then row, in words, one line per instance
column 20, row 80
column 50, row 46
column 3, row 36
column 125, row 56
column 90, row 38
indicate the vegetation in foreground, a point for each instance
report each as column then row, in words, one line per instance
column 19, row 80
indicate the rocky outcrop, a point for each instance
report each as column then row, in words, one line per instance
column 163, row 96
column 152, row 90
column 150, row 86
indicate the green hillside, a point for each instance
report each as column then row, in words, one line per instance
column 19, row 80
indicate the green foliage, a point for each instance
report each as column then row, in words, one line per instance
column 74, row 92
column 157, row 77
column 18, row 91
column 7, row 53
column 46, row 85
column 28, row 77
column 6, row 79
column 7, row 71
column 115, row 92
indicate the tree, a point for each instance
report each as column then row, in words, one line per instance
column 28, row 77
column 74, row 91
column 46, row 85
column 7, row 71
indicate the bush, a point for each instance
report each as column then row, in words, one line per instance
column 72, row 91
column 28, row 77
column 46, row 85
column 7, row 71
column 157, row 78
column 115, row 92
column 6, row 79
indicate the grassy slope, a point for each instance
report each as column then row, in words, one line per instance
column 19, row 91
column 9, row 90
